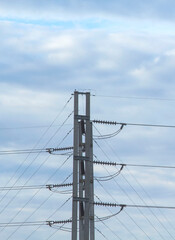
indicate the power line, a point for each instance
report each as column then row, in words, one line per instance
column 48, row 186
column 70, row 184
column 123, row 224
column 132, row 206
column 165, row 228
column 16, row 224
column 45, row 132
column 57, row 229
column 101, row 137
column 32, row 127
column 141, row 199
column 132, row 165
column 34, row 161
column 132, row 219
column 101, row 233
column 134, row 97
column 137, row 206
column 109, row 216
column 37, row 150
column 35, row 195
column 132, row 200
column 122, row 206
column 109, row 177
column 133, row 124
column 36, row 156
column 49, row 218
column 34, row 223
column 37, row 171
column 22, row 152
column 109, row 228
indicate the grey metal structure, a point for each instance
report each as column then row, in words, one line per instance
column 83, row 184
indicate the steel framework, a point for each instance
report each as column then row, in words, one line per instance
column 83, row 184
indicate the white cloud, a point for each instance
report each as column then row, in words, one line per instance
column 21, row 98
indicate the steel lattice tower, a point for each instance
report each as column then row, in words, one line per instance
column 83, row 184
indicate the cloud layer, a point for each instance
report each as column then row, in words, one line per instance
column 125, row 50
column 76, row 9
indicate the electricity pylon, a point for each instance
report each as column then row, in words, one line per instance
column 83, row 184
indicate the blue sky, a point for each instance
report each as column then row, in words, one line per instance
column 124, row 53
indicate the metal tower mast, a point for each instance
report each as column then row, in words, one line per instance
column 83, row 184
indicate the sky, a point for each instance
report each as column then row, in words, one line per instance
column 123, row 53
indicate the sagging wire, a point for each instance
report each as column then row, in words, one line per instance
column 101, row 137
column 117, row 218
column 50, row 217
column 62, row 192
column 52, row 150
column 52, row 187
column 50, row 223
column 62, row 228
column 99, row 219
column 62, row 154
column 109, row 216
column 109, row 177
